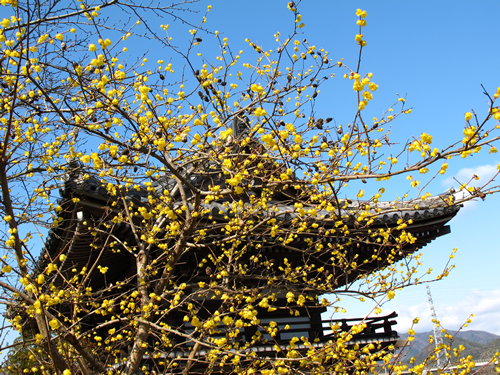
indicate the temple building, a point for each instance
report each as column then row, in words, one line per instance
column 230, row 279
column 94, row 235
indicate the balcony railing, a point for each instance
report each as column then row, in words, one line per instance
column 375, row 329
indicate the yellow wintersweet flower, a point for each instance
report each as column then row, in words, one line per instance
column 391, row 294
column 85, row 159
column 427, row 138
column 5, row 22
column 54, row 324
column 195, row 322
column 361, row 13
column 468, row 116
column 256, row 88
column 373, row 86
column 260, row 112
column 357, row 86
column 92, row 47
column 50, row 268
column 443, row 168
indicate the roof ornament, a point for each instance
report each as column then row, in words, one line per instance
column 73, row 170
column 240, row 126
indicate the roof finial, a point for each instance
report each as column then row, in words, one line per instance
column 240, row 126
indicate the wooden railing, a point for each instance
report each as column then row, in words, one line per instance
column 376, row 328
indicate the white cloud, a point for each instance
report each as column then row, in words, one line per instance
column 485, row 173
column 485, row 306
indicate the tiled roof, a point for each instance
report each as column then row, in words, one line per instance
column 382, row 212
column 429, row 217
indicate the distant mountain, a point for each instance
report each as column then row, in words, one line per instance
column 481, row 337
column 479, row 344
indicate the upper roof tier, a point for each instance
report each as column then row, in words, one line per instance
column 424, row 221
column 282, row 205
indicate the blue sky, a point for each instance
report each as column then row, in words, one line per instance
column 436, row 54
